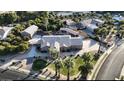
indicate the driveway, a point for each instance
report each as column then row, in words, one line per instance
column 89, row 45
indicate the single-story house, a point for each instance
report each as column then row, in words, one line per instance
column 91, row 24
column 30, row 31
column 4, row 31
column 84, row 23
column 118, row 18
column 61, row 43
column 97, row 22
column 64, row 13
column 92, row 21
column 91, row 27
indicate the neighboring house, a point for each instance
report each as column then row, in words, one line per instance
column 118, row 18
column 64, row 13
column 86, row 22
column 68, row 31
column 89, row 28
column 70, row 24
column 30, row 31
column 92, row 21
column 68, row 21
column 90, row 25
column 4, row 31
column 97, row 22
column 61, row 43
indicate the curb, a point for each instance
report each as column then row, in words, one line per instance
column 101, row 60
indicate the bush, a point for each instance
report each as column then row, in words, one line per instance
column 39, row 64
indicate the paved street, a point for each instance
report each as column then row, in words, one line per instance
column 112, row 67
column 12, row 75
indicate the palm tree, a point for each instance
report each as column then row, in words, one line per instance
column 87, row 57
column 69, row 63
column 100, row 33
column 87, row 66
column 85, row 69
column 46, row 19
column 58, row 65
column 55, row 55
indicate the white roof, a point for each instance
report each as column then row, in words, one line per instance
column 86, row 22
column 4, row 31
column 91, row 21
column 92, row 26
column 61, row 41
column 76, row 41
column 64, row 13
column 118, row 18
column 98, row 20
column 31, row 30
column 70, row 31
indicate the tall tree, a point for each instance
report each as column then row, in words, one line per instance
column 85, row 69
column 55, row 55
column 69, row 63
column 58, row 64
column 87, row 66
column 87, row 57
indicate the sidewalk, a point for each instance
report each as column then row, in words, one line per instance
column 7, row 64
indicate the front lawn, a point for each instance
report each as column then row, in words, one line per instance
column 73, row 71
column 78, row 62
column 39, row 64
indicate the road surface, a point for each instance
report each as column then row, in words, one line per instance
column 12, row 75
column 111, row 68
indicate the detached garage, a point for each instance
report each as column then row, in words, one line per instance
column 30, row 31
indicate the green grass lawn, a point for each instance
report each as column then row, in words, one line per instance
column 78, row 62
column 39, row 64
column 75, row 70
